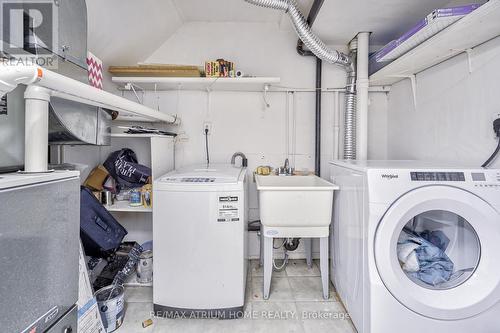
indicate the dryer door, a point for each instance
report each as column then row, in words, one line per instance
column 448, row 242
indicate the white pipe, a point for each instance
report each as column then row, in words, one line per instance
column 67, row 88
column 36, row 144
column 362, row 96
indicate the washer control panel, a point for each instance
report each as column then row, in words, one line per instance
column 189, row 180
column 438, row 176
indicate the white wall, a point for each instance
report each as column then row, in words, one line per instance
column 453, row 119
column 240, row 120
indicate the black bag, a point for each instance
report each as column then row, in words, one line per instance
column 101, row 234
column 122, row 165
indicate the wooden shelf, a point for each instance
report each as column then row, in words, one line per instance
column 474, row 29
column 123, row 206
column 198, row 83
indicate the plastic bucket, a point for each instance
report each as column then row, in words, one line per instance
column 111, row 307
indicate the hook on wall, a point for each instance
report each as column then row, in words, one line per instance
column 264, row 95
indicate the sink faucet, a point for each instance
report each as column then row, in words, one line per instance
column 285, row 170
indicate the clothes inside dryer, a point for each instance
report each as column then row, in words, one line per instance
column 438, row 249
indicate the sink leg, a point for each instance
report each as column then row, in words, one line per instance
column 324, row 266
column 308, row 248
column 268, row 265
column 261, row 254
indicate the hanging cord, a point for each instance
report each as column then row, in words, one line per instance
column 496, row 129
column 285, row 259
column 206, row 146
column 492, row 157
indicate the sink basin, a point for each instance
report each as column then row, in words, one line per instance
column 295, row 206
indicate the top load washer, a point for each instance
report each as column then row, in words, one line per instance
column 200, row 242
column 382, row 207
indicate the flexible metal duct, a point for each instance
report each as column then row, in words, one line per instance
column 304, row 32
column 323, row 52
column 350, row 116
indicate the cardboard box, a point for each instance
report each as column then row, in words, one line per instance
column 96, row 178
column 89, row 318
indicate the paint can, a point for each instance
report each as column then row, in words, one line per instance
column 107, row 198
column 111, row 307
column 145, row 267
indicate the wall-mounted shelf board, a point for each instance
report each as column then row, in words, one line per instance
column 198, row 83
column 123, row 206
column 131, row 136
column 474, row 29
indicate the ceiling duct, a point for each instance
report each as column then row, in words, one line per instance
column 304, row 32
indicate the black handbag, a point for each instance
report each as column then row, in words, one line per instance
column 100, row 232
column 123, row 166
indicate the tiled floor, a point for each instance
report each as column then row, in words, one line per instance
column 295, row 305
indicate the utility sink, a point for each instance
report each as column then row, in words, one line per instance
column 295, row 206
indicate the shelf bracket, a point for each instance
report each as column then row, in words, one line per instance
column 469, row 52
column 413, row 80
column 264, row 95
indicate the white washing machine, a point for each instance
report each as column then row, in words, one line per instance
column 376, row 201
column 200, row 242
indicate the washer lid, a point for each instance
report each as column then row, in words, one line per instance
column 202, row 174
column 471, row 297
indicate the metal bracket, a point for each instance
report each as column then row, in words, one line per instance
column 470, row 53
column 413, row 80
column 264, row 95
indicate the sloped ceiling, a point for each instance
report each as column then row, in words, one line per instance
column 123, row 32
column 128, row 31
column 231, row 11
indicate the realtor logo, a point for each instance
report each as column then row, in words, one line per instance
column 29, row 32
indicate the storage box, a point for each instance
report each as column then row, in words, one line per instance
column 426, row 28
column 96, row 178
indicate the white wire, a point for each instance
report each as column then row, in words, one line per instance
column 285, row 259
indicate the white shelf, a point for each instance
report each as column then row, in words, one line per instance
column 474, row 29
column 199, row 83
column 123, row 206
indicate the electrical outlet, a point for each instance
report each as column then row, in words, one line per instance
column 208, row 125
column 495, row 115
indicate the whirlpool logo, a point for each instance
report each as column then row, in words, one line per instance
column 390, row 176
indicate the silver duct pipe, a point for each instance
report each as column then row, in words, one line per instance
column 304, row 32
column 350, row 116
column 323, row 52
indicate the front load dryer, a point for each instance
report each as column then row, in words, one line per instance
column 200, row 242
column 384, row 206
